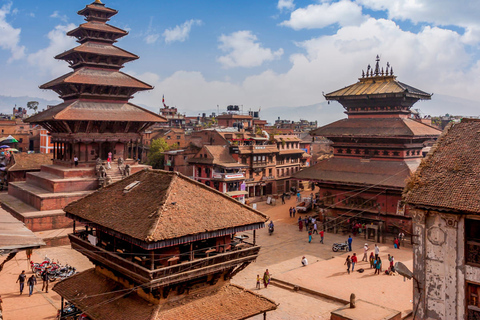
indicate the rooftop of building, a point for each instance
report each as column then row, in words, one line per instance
column 29, row 161
column 376, row 127
column 95, row 111
column 382, row 173
column 449, row 176
column 102, row 298
column 216, row 155
column 157, row 205
column 378, row 82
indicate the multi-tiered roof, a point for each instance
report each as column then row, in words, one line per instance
column 96, row 89
column 380, row 142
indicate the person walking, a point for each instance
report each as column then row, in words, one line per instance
column 397, row 243
column 377, row 251
column 315, row 227
column 365, row 251
column 44, row 276
column 310, row 236
column 32, row 281
column 258, row 282
column 372, row 259
column 290, row 211
column 21, row 279
column 266, row 279
column 378, row 266
column 348, row 262
column 300, row 224
column 299, row 196
column 350, row 240
column 354, row 260
column 294, row 211
column 321, row 236
column 75, row 160
column 283, row 198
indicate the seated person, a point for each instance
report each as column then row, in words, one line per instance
column 304, row 261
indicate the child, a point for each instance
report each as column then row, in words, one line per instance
column 372, row 259
column 258, row 281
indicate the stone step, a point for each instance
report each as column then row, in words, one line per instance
column 42, row 199
column 55, row 237
column 65, row 172
column 34, row 219
column 56, row 184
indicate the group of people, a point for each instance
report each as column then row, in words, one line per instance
column 311, row 227
column 398, row 240
column 32, row 281
column 374, row 259
column 265, row 279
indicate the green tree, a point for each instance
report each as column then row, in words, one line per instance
column 32, row 105
column 156, row 156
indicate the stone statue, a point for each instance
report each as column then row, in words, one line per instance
column 120, row 161
column 99, row 161
column 102, row 171
column 127, row 170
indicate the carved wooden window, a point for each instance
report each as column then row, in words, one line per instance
column 473, row 304
column 472, row 239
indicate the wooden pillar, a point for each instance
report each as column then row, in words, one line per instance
column 152, row 258
column 136, row 150
column 254, row 237
column 191, row 251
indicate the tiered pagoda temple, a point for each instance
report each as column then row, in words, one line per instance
column 95, row 119
column 376, row 149
column 164, row 247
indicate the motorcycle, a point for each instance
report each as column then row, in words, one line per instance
column 340, row 246
column 270, row 230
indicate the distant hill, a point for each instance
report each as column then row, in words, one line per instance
column 8, row 103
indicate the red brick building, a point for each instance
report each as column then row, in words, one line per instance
column 375, row 150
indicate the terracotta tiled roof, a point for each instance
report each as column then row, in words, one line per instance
column 97, row 26
column 164, row 205
column 106, row 49
column 99, row 111
column 376, row 127
column 287, row 138
column 217, row 155
column 28, row 162
column 96, row 8
column 291, row 151
column 101, row 299
column 356, row 171
column 381, row 85
column 449, row 177
column 98, row 77
column 228, row 302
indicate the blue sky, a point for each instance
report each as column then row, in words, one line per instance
column 285, row 53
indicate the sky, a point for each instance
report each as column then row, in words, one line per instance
column 256, row 54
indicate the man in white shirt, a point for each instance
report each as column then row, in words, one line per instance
column 377, row 251
column 365, row 251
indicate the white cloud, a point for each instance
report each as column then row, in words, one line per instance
column 62, row 17
column 285, row 5
column 244, row 50
column 180, row 32
column 322, row 15
column 152, row 38
column 59, row 42
column 435, row 60
column 10, row 36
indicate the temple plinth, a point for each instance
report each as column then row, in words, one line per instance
column 95, row 120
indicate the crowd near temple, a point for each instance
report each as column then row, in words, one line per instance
column 169, row 209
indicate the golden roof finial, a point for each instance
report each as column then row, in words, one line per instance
column 98, row 1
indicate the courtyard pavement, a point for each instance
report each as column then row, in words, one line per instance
column 280, row 253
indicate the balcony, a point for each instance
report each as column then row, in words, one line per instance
column 184, row 271
column 259, row 164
